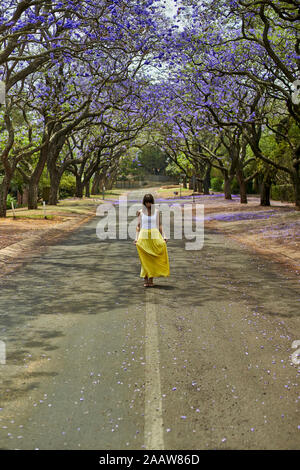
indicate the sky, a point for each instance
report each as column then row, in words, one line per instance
column 171, row 7
column 171, row 10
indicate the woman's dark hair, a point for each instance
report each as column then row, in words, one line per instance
column 148, row 198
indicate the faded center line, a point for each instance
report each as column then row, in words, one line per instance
column 154, row 439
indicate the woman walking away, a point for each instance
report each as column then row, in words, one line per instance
column 151, row 243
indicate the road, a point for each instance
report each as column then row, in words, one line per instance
column 96, row 361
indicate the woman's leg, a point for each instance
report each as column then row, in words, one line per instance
column 151, row 281
column 146, row 281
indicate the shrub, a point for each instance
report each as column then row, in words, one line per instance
column 250, row 187
column 9, row 200
column 45, row 193
column 67, row 187
column 235, row 187
column 283, row 192
column 216, row 183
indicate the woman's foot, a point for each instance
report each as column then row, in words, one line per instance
column 146, row 282
column 150, row 284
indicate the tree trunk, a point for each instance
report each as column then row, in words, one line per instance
column 79, row 187
column 296, row 176
column 54, row 186
column 265, row 193
column 96, row 184
column 109, row 184
column 103, row 183
column 242, row 185
column 54, row 171
column 265, row 189
column 87, row 189
column 199, row 185
column 35, row 179
column 4, row 186
column 206, row 181
column 32, row 195
column 227, row 187
column 296, row 183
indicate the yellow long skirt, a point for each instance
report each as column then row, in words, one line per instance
column 153, row 253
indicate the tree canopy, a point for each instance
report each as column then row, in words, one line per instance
column 211, row 86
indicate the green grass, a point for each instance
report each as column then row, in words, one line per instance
column 111, row 192
column 30, row 216
column 66, row 206
column 176, row 188
column 169, row 192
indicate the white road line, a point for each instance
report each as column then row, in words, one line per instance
column 154, row 438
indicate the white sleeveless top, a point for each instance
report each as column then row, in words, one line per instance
column 148, row 221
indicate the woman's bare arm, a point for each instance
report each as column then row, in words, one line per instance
column 138, row 227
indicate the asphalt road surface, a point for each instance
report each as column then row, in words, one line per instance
column 201, row 361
